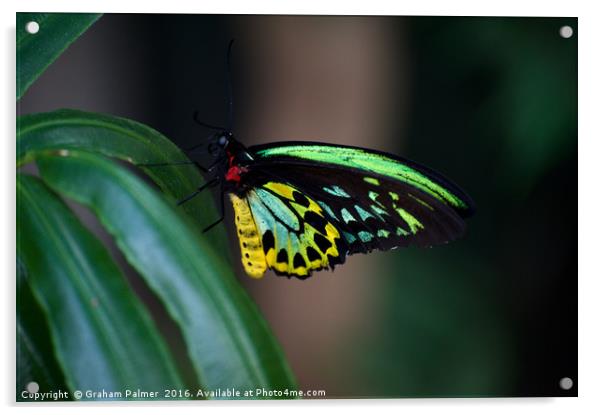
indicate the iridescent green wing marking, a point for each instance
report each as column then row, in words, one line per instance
column 375, row 200
column 374, row 163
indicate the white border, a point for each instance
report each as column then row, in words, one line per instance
column 590, row 153
column 373, row 7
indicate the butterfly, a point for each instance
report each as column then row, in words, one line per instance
column 301, row 207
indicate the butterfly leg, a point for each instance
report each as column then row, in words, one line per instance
column 176, row 163
column 216, row 163
column 222, row 209
column 210, row 183
column 194, row 147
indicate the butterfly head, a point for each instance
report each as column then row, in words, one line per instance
column 223, row 145
column 219, row 143
column 223, row 139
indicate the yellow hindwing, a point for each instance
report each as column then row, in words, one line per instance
column 253, row 258
column 281, row 229
column 296, row 236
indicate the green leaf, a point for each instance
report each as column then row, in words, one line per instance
column 126, row 140
column 35, row 52
column 228, row 341
column 102, row 335
column 35, row 359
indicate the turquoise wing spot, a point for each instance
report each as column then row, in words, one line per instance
column 363, row 214
column 328, row 210
column 379, row 211
column 365, row 236
column 349, row 237
column 279, row 209
column 373, row 195
column 347, row 216
column 263, row 217
column 336, row 191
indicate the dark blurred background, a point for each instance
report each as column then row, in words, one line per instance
column 489, row 102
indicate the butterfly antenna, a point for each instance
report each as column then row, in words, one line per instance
column 197, row 120
column 229, row 86
column 175, row 163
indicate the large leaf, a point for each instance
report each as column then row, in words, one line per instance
column 103, row 336
column 35, row 358
column 35, row 52
column 228, row 341
column 126, row 140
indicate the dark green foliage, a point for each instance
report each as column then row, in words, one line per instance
column 35, row 52
column 80, row 324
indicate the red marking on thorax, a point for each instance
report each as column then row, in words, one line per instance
column 234, row 171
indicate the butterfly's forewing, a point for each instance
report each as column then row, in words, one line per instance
column 364, row 162
column 375, row 212
column 308, row 205
column 376, row 200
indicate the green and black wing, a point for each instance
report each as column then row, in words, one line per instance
column 374, row 199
